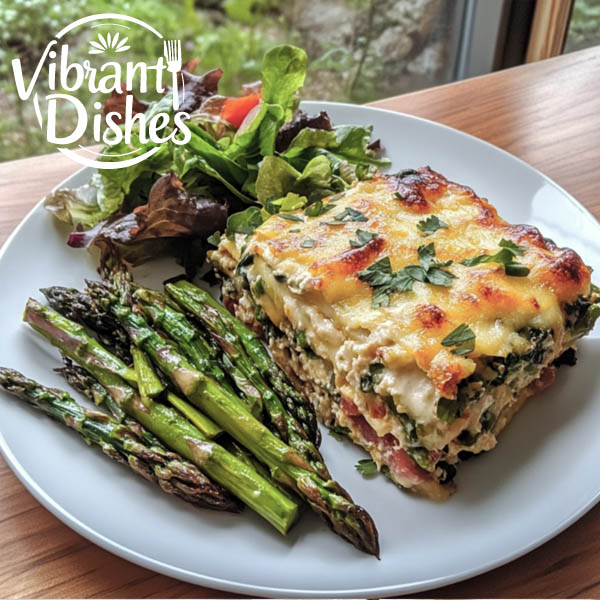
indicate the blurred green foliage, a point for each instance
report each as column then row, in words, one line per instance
column 230, row 34
column 584, row 28
column 226, row 36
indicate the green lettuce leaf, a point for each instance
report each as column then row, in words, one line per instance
column 277, row 178
column 244, row 222
column 283, row 72
column 109, row 188
column 344, row 143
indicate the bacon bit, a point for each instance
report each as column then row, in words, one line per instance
column 400, row 463
column 366, row 431
column 350, row 261
column 543, row 382
column 403, row 466
column 390, row 441
column 435, row 455
column 134, row 231
column 349, row 407
column 535, row 303
column 378, row 410
column 430, row 315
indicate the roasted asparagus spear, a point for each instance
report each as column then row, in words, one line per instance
column 274, row 413
column 123, row 443
column 199, row 302
column 286, row 465
column 164, row 422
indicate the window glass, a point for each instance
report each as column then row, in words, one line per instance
column 584, row 27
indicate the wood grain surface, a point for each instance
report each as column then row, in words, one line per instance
column 548, row 114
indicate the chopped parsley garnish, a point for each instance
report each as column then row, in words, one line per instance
column 366, row 467
column 294, row 218
column 515, row 269
column 431, row 225
column 294, row 230
column 362, row 238
column 462, row 337
column 505, row 256
column 385, row 282
column 307, row 243
column 347, row 215
column 337, row 197
column 317, row 208
column 399, row 196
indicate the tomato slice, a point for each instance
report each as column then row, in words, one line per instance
column 235, row 109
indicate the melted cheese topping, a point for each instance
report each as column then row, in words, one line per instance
column 315, row 288
column 303, row 282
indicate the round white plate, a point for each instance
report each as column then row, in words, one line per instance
column 542, row 477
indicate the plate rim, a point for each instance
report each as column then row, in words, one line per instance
column 230, row 585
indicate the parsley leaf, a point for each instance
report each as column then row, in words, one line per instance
column 317, row 208
column 294, row 218
column 431, row 271
column 348, row 214
column 384, row 282
column 337, row 197
column 438, row 276
column 431, row 225
column 366, row 467
column 307, row 243
column 462, row 337
column 505, row 256
column 426, row 255
column 514, row 248
column 515, row 269
column 362, row 238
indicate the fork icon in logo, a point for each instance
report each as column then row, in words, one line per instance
column 172, row 52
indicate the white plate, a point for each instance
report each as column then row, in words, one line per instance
column 543, row 476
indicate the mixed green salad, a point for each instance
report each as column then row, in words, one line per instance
column 248, row 158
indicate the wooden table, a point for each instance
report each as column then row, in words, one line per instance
column 548, row 114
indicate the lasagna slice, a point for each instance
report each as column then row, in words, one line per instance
column 416, row 319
